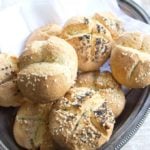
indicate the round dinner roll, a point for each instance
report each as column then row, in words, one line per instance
column 43, row 33
column 9, row 92
column 91, row 40
column 81, row 120
column 111, row 22
column 130, row 60
column 48, row 70
column 107, row 87
column 30, row 126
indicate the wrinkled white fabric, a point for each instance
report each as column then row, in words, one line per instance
column 17, row 22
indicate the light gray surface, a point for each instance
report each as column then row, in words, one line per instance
column 141, row 139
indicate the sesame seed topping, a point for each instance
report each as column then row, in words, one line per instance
column 86, row 20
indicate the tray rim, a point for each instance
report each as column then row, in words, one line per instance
column 145, row 108
column 139, row 116
column 137, row 8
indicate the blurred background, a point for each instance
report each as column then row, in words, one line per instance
column 144, row 3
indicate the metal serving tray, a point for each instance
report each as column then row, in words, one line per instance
column 136, row 110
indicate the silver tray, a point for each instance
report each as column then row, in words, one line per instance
column 136, row 110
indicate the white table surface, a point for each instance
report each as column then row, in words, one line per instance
column 141, row 140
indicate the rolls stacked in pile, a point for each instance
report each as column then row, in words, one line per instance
column 60, row 110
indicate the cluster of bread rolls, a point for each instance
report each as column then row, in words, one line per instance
column 64, row 101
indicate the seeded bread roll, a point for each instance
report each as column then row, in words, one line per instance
column 10, row 95
column 91, row 40
column 108, row 88
column 30, row 125
column 81, row 120
column 9, row 92
column 130, row 60
column 111, row 22
column 48, row 70
column 43, row 33
column 8, row 67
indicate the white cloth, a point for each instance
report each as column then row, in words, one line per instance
column 18, row 21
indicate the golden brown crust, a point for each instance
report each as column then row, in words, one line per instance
column 8, row 67
column 130, row 39
column 77, row 120
column 43, row 33
column 91, row 40
column 9, row 92
column 108, row 88
column 47, row 143
column 76, row 25
column 130, row 61
column 48, row 70
column 97, row 80
column 30, row 125
column 115, row 99
column 111, row 22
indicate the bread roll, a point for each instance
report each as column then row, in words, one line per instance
column 115, row 99
column 81, row 120
column 108, row 88
column 48, row 70
column 43, row 33
column 111, row 22
column 30, row 125
column 9, row 92
column 130, row 39
column 47, row 143
column 10, row 95
column 91, row 40
column 130, row 60
column 97, row 80
column 8, row 67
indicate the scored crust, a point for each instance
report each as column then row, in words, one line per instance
column 111, row 22
column 91, row 40
column 107, row 86
column 48, row 70
column 30, row 125
column 43, row 33
column 81, row 120
column 130, row 60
